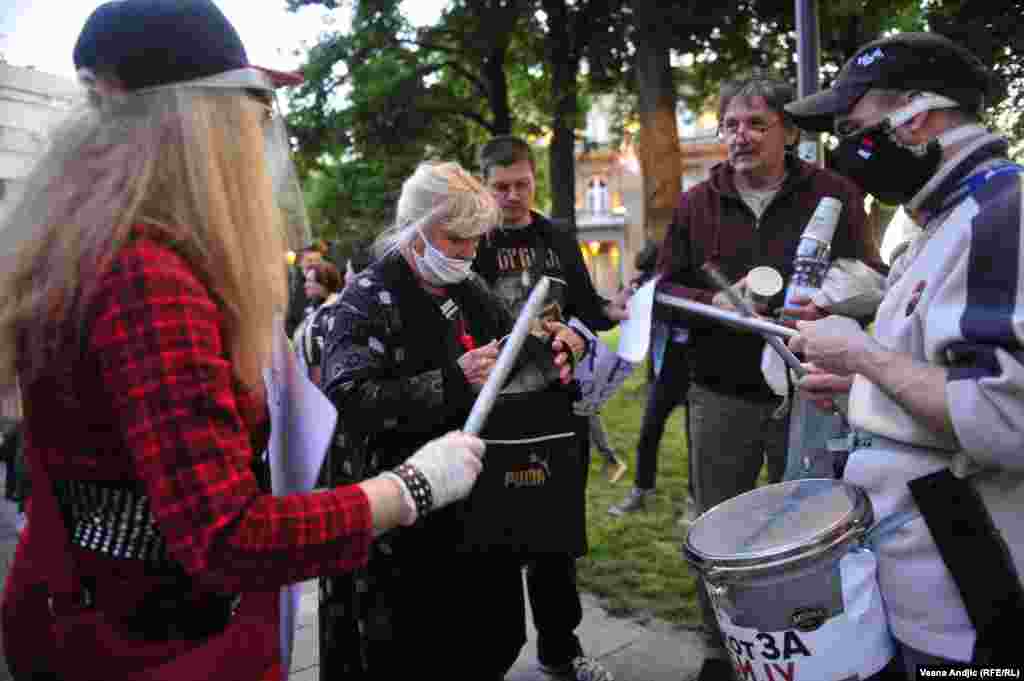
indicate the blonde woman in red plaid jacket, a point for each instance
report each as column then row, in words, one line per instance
column 142, row 282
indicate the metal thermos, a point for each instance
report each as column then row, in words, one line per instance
column 813, row 252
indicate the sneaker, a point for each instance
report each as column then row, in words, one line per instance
column 634, row 501
column 614, row 468
column 581, row 668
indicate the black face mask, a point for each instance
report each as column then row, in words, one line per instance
column 882, row 167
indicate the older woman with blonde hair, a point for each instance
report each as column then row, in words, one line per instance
column 413, row 341
column 141, row 286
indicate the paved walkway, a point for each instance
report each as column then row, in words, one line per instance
column 634, row 651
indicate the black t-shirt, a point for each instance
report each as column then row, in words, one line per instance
column 512, row 259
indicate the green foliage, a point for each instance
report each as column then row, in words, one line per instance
column 351, row 200
column 761, row 34
column 991, row 30
column 386, row 95
column 634, row 562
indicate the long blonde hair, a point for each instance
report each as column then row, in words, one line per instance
column 187, row 162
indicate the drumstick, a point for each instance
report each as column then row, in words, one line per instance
column 754, row 324
column 506, row 358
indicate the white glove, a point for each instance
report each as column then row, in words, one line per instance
column 444, row 470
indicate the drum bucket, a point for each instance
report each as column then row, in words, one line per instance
column 793, row 587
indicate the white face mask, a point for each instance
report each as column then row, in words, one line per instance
column 437, row 268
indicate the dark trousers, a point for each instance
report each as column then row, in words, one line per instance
column 557, row 611
column 554, row 594
column 666, row 392
column 420, row 597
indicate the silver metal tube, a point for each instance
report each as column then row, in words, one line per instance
column 754, row 324
column 507, row 358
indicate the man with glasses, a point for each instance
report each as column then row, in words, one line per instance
column 750, row 212
column 937, row 391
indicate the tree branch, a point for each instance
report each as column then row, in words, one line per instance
column 429, row 46
column 478, row 83
column 463, row 113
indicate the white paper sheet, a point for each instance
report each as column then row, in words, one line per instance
column 302, row 423
column 635, row 334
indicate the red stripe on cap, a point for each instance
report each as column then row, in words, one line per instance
column 282, row 78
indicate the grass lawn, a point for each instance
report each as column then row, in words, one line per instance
column 634, row 561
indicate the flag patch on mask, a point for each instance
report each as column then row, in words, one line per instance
column 867, row 148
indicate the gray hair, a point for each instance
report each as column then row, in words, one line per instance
column 440, row 192
column 776, row 93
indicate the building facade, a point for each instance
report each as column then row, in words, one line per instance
column 610, row 219
column 609, row 202
column 31, row 103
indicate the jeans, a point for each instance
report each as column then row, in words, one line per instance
column 599, row 437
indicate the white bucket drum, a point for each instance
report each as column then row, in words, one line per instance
column 794, row 590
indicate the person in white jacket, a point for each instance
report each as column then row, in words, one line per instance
column 937, row 391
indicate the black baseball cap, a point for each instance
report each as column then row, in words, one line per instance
column 146, row 43
column 905, row 61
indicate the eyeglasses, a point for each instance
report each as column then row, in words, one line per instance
column 755, row 128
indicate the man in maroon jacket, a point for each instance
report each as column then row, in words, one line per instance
column 750, row 212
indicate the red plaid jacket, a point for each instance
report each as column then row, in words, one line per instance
column 152, row 399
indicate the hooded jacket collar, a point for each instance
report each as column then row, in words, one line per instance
column 723, row 176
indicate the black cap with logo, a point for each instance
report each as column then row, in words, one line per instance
column 146, row 43
column 905, row 61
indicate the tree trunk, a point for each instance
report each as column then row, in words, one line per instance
column 661, row 159
column 564, row 62
column 497, row 89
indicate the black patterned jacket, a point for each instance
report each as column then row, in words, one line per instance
column 391, row 364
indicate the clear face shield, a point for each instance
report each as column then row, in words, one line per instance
column 287, row 190
column 183, row 158
column 277, row 148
